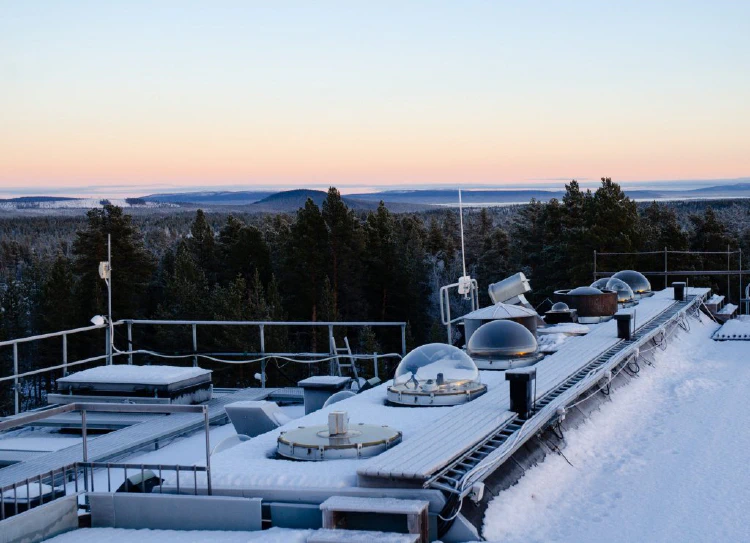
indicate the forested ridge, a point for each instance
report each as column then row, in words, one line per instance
column 324, row 263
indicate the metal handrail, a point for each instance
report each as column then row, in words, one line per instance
column 84, row 408
column 111, row 353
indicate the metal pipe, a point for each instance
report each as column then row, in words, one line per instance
column 728, row 278
column 108, row 346
column 334, row 362
column 15, row 378
column 740, row 271
column 109, row 292
column 263, row 351
column 208, row 450
column 58, row 334
column 195, row 344
column 594, row 264
column 65, row 354
column 130, row 343
column 265, row 323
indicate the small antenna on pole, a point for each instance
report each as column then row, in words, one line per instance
column 461, row 223
column 464, row 282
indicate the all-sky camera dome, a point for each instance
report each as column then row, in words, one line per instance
column 624, row 292
column 436, row 374
column 635, row 280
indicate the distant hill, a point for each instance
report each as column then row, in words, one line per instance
column 289, row 201
column 210, row 197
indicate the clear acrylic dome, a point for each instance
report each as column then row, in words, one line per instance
column 426, row 362
column 559, row 307
column 585, row 291
column 502, row 338
column 600, row 283
column 635, row 280
column 623, row 290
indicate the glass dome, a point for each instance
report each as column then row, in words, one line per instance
column 623, row 290
column 560, row 307
column 635, row 280
column 600, row 283
column 436, row 362
column 585, row 291
column 502, row 338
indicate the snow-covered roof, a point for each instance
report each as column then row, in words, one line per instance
column 735, row 329
column 146, row 375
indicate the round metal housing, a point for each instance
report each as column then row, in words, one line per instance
column 593, row 305
column 435, row 374
column 636, row 281
column 500, row 311
column 315, row 443
column 503, row 345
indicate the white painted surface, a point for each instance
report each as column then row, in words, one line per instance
column 123, row 373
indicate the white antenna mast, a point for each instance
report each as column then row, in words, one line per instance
column 464, row 283
column 461, row 222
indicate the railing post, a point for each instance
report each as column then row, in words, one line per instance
column 195, row 345
column 206, row 424
column 65, row 354
column 108, row 347
column 15, row 380
column 130, row 343
column 729, row 277
column 666, row 268
column 403, row 340
column 375, row 364
column 740, row 272
column 594, row 264
column 263, row 351
column 330, row 350
column 84, row 434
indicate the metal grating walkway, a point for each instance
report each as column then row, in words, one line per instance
column 449, row 440
column 128, row 439
column 499, row 445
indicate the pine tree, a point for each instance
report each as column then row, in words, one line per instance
column 202, row 246
column 132, row 265
column 345, row 250
column 381, row 262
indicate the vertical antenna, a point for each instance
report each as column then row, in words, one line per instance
column 461, row 222
column 109, row 297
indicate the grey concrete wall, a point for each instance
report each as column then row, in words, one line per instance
column 41, row 522
column 174, row 512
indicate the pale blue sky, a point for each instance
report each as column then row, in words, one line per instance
column 354, row 93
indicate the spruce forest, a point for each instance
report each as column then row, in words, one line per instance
column 327, row 263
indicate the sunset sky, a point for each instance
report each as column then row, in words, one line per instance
column 159, row 94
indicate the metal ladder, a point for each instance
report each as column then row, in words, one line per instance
column 346, row 350
column 450, row 478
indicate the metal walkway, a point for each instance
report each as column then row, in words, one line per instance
column 478, row 428
column 499, row 445
column 128, row 439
